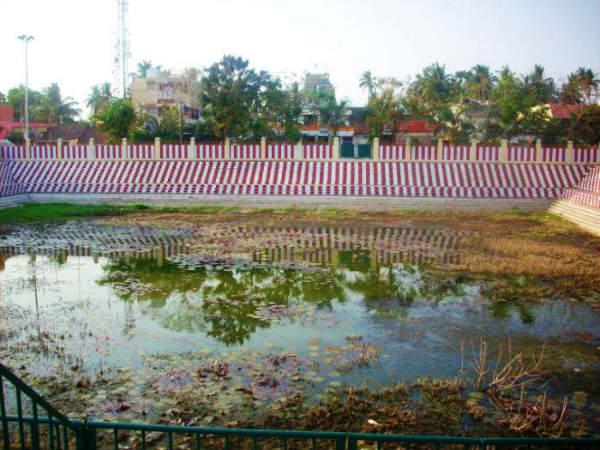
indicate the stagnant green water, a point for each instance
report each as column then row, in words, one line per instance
column 140, row 316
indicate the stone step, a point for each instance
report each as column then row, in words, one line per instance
column 585, row 216
column 579, row 212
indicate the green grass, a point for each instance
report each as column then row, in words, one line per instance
column 38, row 212
column 51, row 212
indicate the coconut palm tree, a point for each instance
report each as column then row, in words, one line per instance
column 433, row 86
column 144, row 66
column 99, row 97
column 542, row 87
column 581, row 87
column 369, row 82
column 55, row 108
column 481, row 83
column 333, row 113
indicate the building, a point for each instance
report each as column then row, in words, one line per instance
column 317, row 84
column 354, row 130
column 8, row 124
column 72, row 134
column 159, row 89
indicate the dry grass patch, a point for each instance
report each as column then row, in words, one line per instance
column 552, row 252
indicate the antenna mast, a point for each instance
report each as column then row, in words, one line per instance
column 121, row 61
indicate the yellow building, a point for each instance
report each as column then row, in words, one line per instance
column 159, row 89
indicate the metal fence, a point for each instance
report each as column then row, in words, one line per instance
column 30, row 422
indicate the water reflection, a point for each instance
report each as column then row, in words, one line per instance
column 234, row 287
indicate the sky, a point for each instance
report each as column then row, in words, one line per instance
column 74, row 39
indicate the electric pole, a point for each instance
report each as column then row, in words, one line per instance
column 26, row 39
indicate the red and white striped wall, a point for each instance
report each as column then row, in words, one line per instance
column 392, row 152
column 553, row 154
column 457, row 153
column 587, row 191
column 587, row 155
column 374, row 178
column 109, row 152
column 423, row 152
column 286, row 151
column 245, row 151
column 281, row 151
column 525, row 154
column 140, row 151
column 485, row 153
column 43, row 152
column 8, row 184
column 12, row 152
column 173, row 151
column 75, row 152
column 317, row 151
column 210, row 151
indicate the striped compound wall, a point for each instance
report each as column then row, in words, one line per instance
column 288, row 151
column 359, row 178
column 587, row 191
column 465, row 172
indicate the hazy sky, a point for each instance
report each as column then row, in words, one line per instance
column 74, row 39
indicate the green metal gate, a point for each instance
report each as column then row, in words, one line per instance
column 347, row 150
column 364, row 150
column 29, row 422
column 350, row 150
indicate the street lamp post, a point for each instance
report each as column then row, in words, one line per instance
column 25, row 39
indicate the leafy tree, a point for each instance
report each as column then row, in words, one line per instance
column 144, row 66
column 369, row 82
column 433, row 88
column 584, row 126
column 16, row 98
column 99, row 98
column 281, row 111
column 55, row 109
column 581, row 87
column 512, row 102
column 333, row 113
column 384, row 110
column 118, row 119
column 231, row 96
column 2, row 98
column 477, row 83
column 541, row 87
column 169, row 123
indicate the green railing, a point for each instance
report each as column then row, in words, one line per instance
column 23, row 427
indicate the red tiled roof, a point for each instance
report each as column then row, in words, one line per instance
column 6, row 112
column 415, row 126
column 560, row 111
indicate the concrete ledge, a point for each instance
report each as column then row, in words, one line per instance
column 370, row 203
column 587, row 217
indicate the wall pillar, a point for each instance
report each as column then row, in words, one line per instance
column 375, row 149
column 298, row 151
column 156, row 148
column 27, row 148
column 503, row 152
column 336, row 148
column 407, row 150
column 538, row 150
column 473, row 152
column 227, row 148
column 192, row 148
column 91, row 150
column 59, row 148
column 570, row 153
column 440, row 150
column 263, row 148
column 125, row 153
